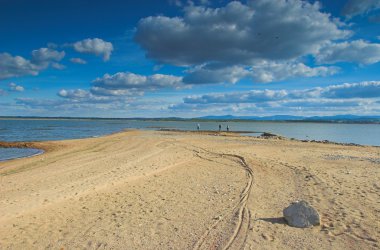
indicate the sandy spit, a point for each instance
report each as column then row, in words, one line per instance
column 182, row 190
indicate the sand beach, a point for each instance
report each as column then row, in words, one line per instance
column 188, row 190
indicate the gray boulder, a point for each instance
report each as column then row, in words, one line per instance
column 301, row 214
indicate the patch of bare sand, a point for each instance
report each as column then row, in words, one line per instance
column 342, row 182
column 163, row 190
column 130, row 190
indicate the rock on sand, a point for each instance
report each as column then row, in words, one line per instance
column 301, row 214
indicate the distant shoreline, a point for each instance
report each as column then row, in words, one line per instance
column 262, row 119
column 249, row 129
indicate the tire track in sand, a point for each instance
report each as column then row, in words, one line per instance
column 213, row 238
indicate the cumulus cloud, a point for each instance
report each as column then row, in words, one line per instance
column 77, row 60
column 334, row 99
column 96, row 93
column 131, row 81
column 261, row 40
column 119, row 88
column 269, row 71
column 73, row 94
column 215, row 74
column 283, row 105
column 44, row 56
column 16, row 88
column 16, row 66
column 362, row 90
column 58, row 66
column 84, row 96
column 358, row 7
column 120, row 91
column 94, row 46
column 296, row 107
column 115, row 92
column 238, row 97
column 342, row 98
column 262, row 72
column 353, row 90
column 358, row 51
column 238, row 33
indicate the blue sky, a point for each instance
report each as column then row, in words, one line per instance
column 189, row 58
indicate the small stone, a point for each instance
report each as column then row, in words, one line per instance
column 300, row 214
column 219, row 217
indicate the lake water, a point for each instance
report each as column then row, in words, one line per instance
column 44, row 130
column 12, row 153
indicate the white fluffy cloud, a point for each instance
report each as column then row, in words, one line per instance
column 346, row 98
column 352, row 90
column 358, row 7
column 43, row 56
column 94, row 46
column 269, row 71
column 131, row 81
column 358, row 51
column 14, row 87
column 115, row 92
column 74, row 94
column 239, row 33
column 263, row 40
column 83, row 96
column 356, row 98
column 215, row 74
column 120, row 87
column 118, row 92
column 295, row 107
column 363, row 90
column 77, row 60
column 253, row 96
column 262, row 72
column 16, row 66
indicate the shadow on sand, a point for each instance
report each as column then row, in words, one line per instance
column 276, row 220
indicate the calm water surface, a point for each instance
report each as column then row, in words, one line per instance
column 12, row 153
column 44, row 130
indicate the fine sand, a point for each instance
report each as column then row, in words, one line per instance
column 188, row 190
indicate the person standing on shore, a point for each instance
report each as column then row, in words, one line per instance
column 220, row 127
column 198, row 126
column 228, row 128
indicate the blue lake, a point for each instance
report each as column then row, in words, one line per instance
column 11, row 153
column 59, row 129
